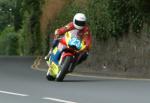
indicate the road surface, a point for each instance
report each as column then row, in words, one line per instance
column 21, row 84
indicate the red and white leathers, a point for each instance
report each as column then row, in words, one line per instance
column 84, row 34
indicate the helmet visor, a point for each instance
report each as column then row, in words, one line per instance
column 80, row 23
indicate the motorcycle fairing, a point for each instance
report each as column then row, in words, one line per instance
column 69, row 36
column 54, row 69
column 55, row 55
column 54, row 60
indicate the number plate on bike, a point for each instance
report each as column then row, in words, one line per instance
column 75, row 42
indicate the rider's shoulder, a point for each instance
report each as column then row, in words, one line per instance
column 70, row 25
column 86, row 28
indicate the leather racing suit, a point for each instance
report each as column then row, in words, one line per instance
column 84, row 34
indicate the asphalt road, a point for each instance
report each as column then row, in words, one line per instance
column 21, row 84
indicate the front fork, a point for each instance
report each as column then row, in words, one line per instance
column 72, row 65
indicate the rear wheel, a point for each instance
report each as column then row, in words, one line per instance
column 64, row 68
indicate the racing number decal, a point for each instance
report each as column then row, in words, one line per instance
column 76, row 42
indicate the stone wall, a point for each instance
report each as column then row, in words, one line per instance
column 129, row 56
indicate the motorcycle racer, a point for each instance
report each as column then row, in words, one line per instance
column 79, row 23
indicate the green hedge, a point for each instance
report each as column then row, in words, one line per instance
column 9, row 42
column 107, row 18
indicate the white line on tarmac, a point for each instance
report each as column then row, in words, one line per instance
column 105, row 77
column 100, row 77
column 58, row 100
column 12, row 93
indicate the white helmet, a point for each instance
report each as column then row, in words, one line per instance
column 79, row 21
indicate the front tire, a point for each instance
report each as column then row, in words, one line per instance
column 49, row 77
column 64, row 68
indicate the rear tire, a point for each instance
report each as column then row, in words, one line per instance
column 64, row 69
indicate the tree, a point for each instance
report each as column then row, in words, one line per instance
column 6, row 11
column 33, row 8
column 18, row 15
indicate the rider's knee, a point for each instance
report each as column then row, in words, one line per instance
column 55, row 43
column 83, row 57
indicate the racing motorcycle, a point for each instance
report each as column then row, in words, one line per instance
column 64, row 56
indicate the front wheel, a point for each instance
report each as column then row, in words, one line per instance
column 49, row 77
column 64, row 68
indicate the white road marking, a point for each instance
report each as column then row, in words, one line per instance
column 100, row 77
column 12, row 93
column 107, row 77
column 58, row 100
column 45, row 98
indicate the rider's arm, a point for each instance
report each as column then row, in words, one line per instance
column 88, row 39
column 64, row 29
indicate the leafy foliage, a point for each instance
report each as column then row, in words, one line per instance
column 6, row 11
column 9, row 42
column 99, row 18
column 33, row 9
column 108, row 18
column 18, row 15
column 19, row 21
column 25, row 15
